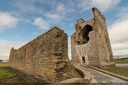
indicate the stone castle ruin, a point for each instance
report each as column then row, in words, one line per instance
column 90, row 44
column 45, row 58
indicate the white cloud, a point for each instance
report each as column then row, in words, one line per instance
column 69, row 48
column 54, row 17
column 119, row 34
column 59, row 11
column 5, row 47
column 121, row 53
column 27, row 6
column 119, row 31
column 42, row 23
column 102, row 5
column 7, row 21
column 120, row 46
column 60, row 8
column 119, row 38
column 53, row 11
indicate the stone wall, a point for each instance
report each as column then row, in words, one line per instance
column 45, row 57
column 90, row 43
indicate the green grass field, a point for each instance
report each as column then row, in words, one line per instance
column 117, row 70
column 8, row 77
column 4, row 64
column 121, row 60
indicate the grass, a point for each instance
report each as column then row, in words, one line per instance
column 4, row 64
column 117, row 70
column 4, row 73
column 121, row 60
column 7, row 76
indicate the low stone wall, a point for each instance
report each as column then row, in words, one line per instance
column 87, row 76
column 110, row 73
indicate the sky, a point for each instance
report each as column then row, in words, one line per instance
column 23, row 20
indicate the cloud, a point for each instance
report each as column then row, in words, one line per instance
column 58, row 14
column 119, row 31
column 53, row 16
column 42, row 23
column 27, row 6
column 118, row 34
column 59, row 11
column 119, row 38
column 69, row 48
column 102, row 5
column 5, row 47
column 120, row 46
column 7, row 21
column 60, row 8
column 54, row 11
column 121, row 53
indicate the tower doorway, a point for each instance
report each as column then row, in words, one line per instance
column 83, row 59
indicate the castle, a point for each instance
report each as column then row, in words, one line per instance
column 90, row 44
column 46, row 57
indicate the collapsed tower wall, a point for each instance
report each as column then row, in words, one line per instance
column 45, row 57
column 90, row 43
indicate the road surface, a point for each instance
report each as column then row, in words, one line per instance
column 125, row 65
column 99, row 77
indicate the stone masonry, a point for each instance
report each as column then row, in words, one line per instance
column 90, row 44
column 45, row 58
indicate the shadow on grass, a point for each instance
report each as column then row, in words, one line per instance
column 6, row 76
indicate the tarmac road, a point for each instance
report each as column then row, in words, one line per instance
column 124, row 65
column 99, row 77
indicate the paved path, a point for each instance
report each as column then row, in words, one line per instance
column 99, row 77
column 125, row 65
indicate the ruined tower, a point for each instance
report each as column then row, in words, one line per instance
column 90, row 44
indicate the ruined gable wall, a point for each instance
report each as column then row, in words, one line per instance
column 45, row 57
